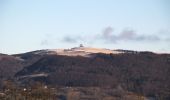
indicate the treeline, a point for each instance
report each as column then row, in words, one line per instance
column 145, row 73
column 38, row 91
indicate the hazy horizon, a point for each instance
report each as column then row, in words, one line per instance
column 48, row 24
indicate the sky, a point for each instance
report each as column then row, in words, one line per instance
column 142, row 25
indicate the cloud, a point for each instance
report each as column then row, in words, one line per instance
column 151, row 38
column 107, row 32
column 127, row 35
column 47, row 40
column 44, row 42
column 168, row 39
column 70, row 39
column 108, row 36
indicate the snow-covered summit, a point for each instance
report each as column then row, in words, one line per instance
column 82, row 51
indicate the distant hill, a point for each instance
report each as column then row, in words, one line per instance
column 145, row 73
column 9, row 65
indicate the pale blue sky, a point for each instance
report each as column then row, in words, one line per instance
column 27, row 25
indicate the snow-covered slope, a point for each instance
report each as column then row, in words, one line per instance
column 82, row 51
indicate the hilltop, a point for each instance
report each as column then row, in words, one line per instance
column 143, row 73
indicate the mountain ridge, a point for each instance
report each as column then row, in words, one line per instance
column 146, row 73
